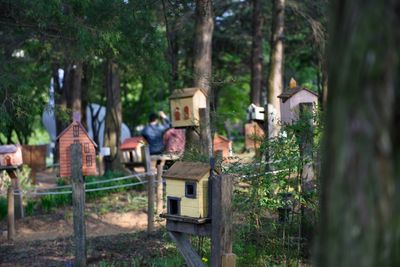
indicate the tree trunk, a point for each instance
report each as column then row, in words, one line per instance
column 112, row 130
column 257, row 54
column 173, row 49
column 60, row 101
column 275, row 77
column 359, row 224
column 74, row 88
column 324, row 71
column 202, row 58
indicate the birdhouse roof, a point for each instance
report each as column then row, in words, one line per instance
column 188, row 171
column 186, row 92
column 5, row 149
column 80, row 126
column 292, row 91
column 221, row 138
column 132, row 143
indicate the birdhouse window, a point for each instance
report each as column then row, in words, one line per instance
column 177, row 114
column 186, row 112
column 86, row 147
column 190, row 189
column 88, row 160
column 76, row 130
column 174, row 205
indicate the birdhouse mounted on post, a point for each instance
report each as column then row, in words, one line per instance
column 291, row 99
column 187, row 189
column 10, row 156
column 255, row 113
column 132, row 149
column 185, row 104
column 76, row 133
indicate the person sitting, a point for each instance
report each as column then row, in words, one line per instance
column 153, row 132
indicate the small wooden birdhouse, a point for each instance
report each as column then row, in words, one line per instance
column 76, row 133
column 292, row 97
column 10, row 156
column 185, row 104
column 255, row 113
column 187, row 189
column 131, row 149
column 254, row 134
column 223, row 144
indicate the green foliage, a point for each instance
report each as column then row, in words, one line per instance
column 270, row 207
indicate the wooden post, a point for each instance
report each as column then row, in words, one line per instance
column 205, row 133
column 221, row 232
column 150, row 189
column 160, row 187
column 78, row 201
column 18, row 203
column 10, row 213
column 192, row 259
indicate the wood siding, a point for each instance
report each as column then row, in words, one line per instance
column 192, row 207
column 65, row 141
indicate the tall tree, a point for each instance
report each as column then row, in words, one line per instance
column 275, row 76
column 257, row 53
column 112, row 130
column 202, row 60
column 360, row 217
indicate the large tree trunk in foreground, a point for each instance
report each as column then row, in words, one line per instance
column 275, row 77
column 112, row 130
column 360, row 216
column 256, row 54
column 202, row 60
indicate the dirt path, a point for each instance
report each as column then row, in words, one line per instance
column 134, row 249
column 60, row 224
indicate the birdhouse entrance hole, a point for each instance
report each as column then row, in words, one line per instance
column 8, row 160
column 173, row 205
column 190, row 190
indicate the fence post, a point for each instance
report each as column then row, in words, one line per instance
column 78, row 201
column 150, row 189
column 10, row 213
column 160, row 187
column 221, row 232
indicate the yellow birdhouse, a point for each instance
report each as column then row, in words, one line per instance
column 187, row 189
column 185, row 104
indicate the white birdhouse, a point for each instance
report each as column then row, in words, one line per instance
column 255, row 113
column 185, row 105
column 291, row 99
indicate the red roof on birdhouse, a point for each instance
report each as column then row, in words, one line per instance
column 132, row 143
column 81, row 127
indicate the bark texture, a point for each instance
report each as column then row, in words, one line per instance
column 202, row 57
column 275, row 77
column 359, row 224
column 112, row 131
column 257, row 54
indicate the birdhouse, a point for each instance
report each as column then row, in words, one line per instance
column 254, row 134
column 10, row 156
column 255, row 113
column 187, row 189
column 76, row 133
column 131, row 149
column 223, row 144
column 292, row 97
column 185, row 104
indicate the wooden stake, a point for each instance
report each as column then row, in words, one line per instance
column 150, row 190
column 221, row 232
column 205, row 134
column 192, row 259
column 10, row 213
column 78, row 201
column 160, row 187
